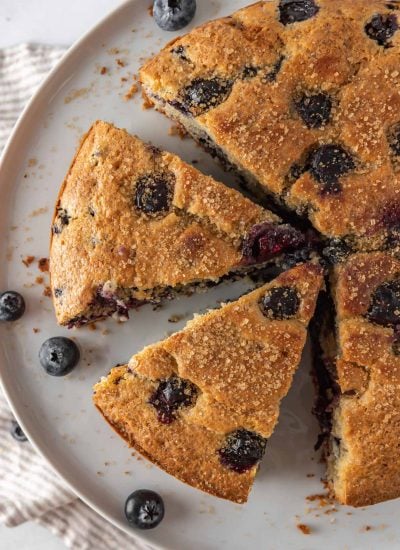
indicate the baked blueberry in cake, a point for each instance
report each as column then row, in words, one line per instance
column 203, row 403
column 302, row 98
column 357, row 370
column 134, row 225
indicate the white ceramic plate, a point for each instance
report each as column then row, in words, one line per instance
column 57, row 414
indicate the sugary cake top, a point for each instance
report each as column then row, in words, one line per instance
column 305, row 96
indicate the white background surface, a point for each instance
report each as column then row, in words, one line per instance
column 51, row 22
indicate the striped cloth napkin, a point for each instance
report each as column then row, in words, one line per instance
column 29, row 489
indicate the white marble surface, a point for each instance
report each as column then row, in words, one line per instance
column 51, row 22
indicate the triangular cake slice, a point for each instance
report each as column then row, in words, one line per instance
column 302, row 98
column 202, row 403
column 359, row 380
column 134, row 224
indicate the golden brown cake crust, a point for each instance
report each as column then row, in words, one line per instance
column 367, row 418
column 242, row 364
column 101, row 238
column 266, row 67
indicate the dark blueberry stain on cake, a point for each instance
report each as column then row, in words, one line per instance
column 91, row 212
column 315, row 110
column 394, row 139
column 294, row 11
column 336, row 251
column 242, row 450
column 295, row 172
column 154, row 193
column 328, row 164
column 280, row 302
column 171, row 395
column 202, row 95
column 393, row 6
column 58, row 292
column 62, row 219
column 297, row 257
column 384, row 307
column 275, row 70
column 381, row 28
column 396, row 341
column 180, row 51
column 266, row 240
column 249, row 71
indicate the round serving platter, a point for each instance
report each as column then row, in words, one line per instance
column 91, row 83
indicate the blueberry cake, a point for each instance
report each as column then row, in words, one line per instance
column 358, row 377
column 302, row 98
column 134, row 224
column 202, row 403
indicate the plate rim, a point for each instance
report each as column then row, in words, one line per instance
column 17, row 129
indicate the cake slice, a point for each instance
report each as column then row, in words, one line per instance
column 302, row 98
column 358, row 376
column 134, row 225
column 202, row 403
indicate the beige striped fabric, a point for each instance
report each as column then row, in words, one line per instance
column 29, row 489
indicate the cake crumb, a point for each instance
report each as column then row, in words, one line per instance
column 92, row 326
column 366, row 528
column 175, row 318
column 310, row 475
column 150, row 10
column 133, row 90
column 39, row 280
column 103, row 70
column 305, row 529
column 47, row 292
column 43, row 265
column 38, row 212
column 177, row 130
column 36, row 330
column 120, row 62
column 32, row 162
column 76, row 94
column 28, row 260
column 147, row 104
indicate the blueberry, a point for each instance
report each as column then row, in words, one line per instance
column 384, row 308
column 280, row 302
column 144, row 509
column 249, row 71
column 328, row 163
column 242, row 450
column 154, row 193
column 12, row 306
column 394, row 139
column 171, row 395
column 336, row 251
column 275, row 70
column 17, row 433
column 173, row 15
column 315, row 110
column 293, row 11
column 381, row 28
column 297, row 257
column 59, row 356
column 267, row 240
column 62, row 219
column 204, row 94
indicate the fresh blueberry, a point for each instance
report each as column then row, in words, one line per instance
column 17, row 433
column 12, row 306
column 154, row 193
column 144, row 509
column 280, row 302
column 296, row 257
column 294, row 11
column 59, row 356
column 315, row 110
column 327, row 164
column 173, row 15
column 384, row 308
column 381, row 28
column 203, row 94
column 267, row 240
column 171, row 395
column 242, row 450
